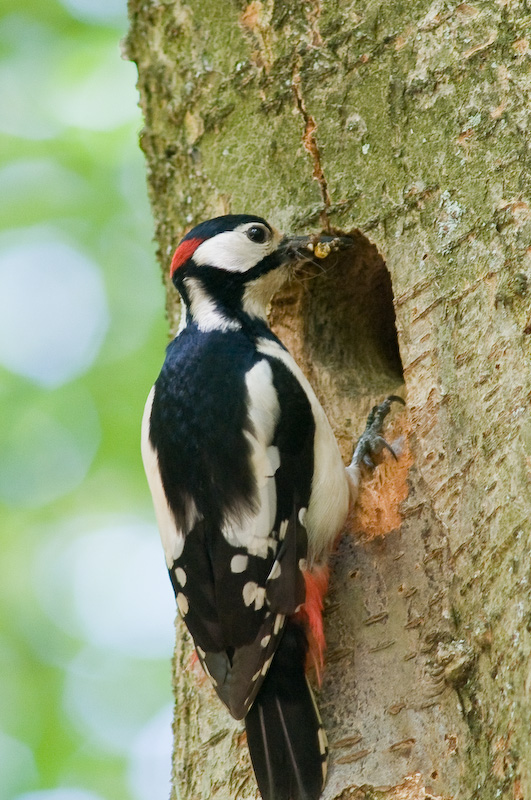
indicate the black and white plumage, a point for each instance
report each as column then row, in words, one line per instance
column 249, row 492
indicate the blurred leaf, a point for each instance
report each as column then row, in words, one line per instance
column 73, row 715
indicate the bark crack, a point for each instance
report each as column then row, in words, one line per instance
column 310, row 144
column 313, row 20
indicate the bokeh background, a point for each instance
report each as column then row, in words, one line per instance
column 86, row 608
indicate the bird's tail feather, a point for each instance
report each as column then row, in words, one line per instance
column 286, row 739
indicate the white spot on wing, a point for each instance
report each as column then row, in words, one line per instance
column 249, row 592
column 260, row 599
column 180, row 575
column 279, row 621
column 265, row 641
column 302, row 516
column 266, row 665
column 182, row 602
column 275, row 571
column 238, row 563
column 209, row 674
column 252, row 593
column 322, row 741
column 283, row 530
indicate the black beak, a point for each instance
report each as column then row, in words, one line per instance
column 302, row 248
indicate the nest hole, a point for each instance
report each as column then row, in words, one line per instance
column 349, row 320
column 338, row 320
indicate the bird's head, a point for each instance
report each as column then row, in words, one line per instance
column 235, row 262
column 237, row 243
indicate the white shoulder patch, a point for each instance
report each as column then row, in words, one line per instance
column 254, row 531
column 264, row 408
column 329, row 500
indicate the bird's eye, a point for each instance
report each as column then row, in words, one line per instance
column 257, row 233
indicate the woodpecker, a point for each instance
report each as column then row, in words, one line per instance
column 250, row 493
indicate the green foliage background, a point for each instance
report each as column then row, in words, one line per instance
column 85, row 604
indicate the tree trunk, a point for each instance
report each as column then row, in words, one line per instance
column 406, row 123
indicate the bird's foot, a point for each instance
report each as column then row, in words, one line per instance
column 371, row 442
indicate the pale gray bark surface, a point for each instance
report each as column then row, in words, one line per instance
column 408, row 122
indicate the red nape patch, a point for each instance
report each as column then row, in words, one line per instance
column 183, row 253
column 311, row 614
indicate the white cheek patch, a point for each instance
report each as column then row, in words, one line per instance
column 231, row 250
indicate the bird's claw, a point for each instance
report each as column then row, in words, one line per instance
column 371, row 442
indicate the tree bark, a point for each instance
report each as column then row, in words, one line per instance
column 408, row 125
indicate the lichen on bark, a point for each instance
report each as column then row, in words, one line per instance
column 409, row 123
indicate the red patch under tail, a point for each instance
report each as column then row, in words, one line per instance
column 311, row 614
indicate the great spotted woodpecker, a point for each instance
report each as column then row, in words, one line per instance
column 249, row 492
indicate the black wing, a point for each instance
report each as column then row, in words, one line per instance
column 238, row 576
